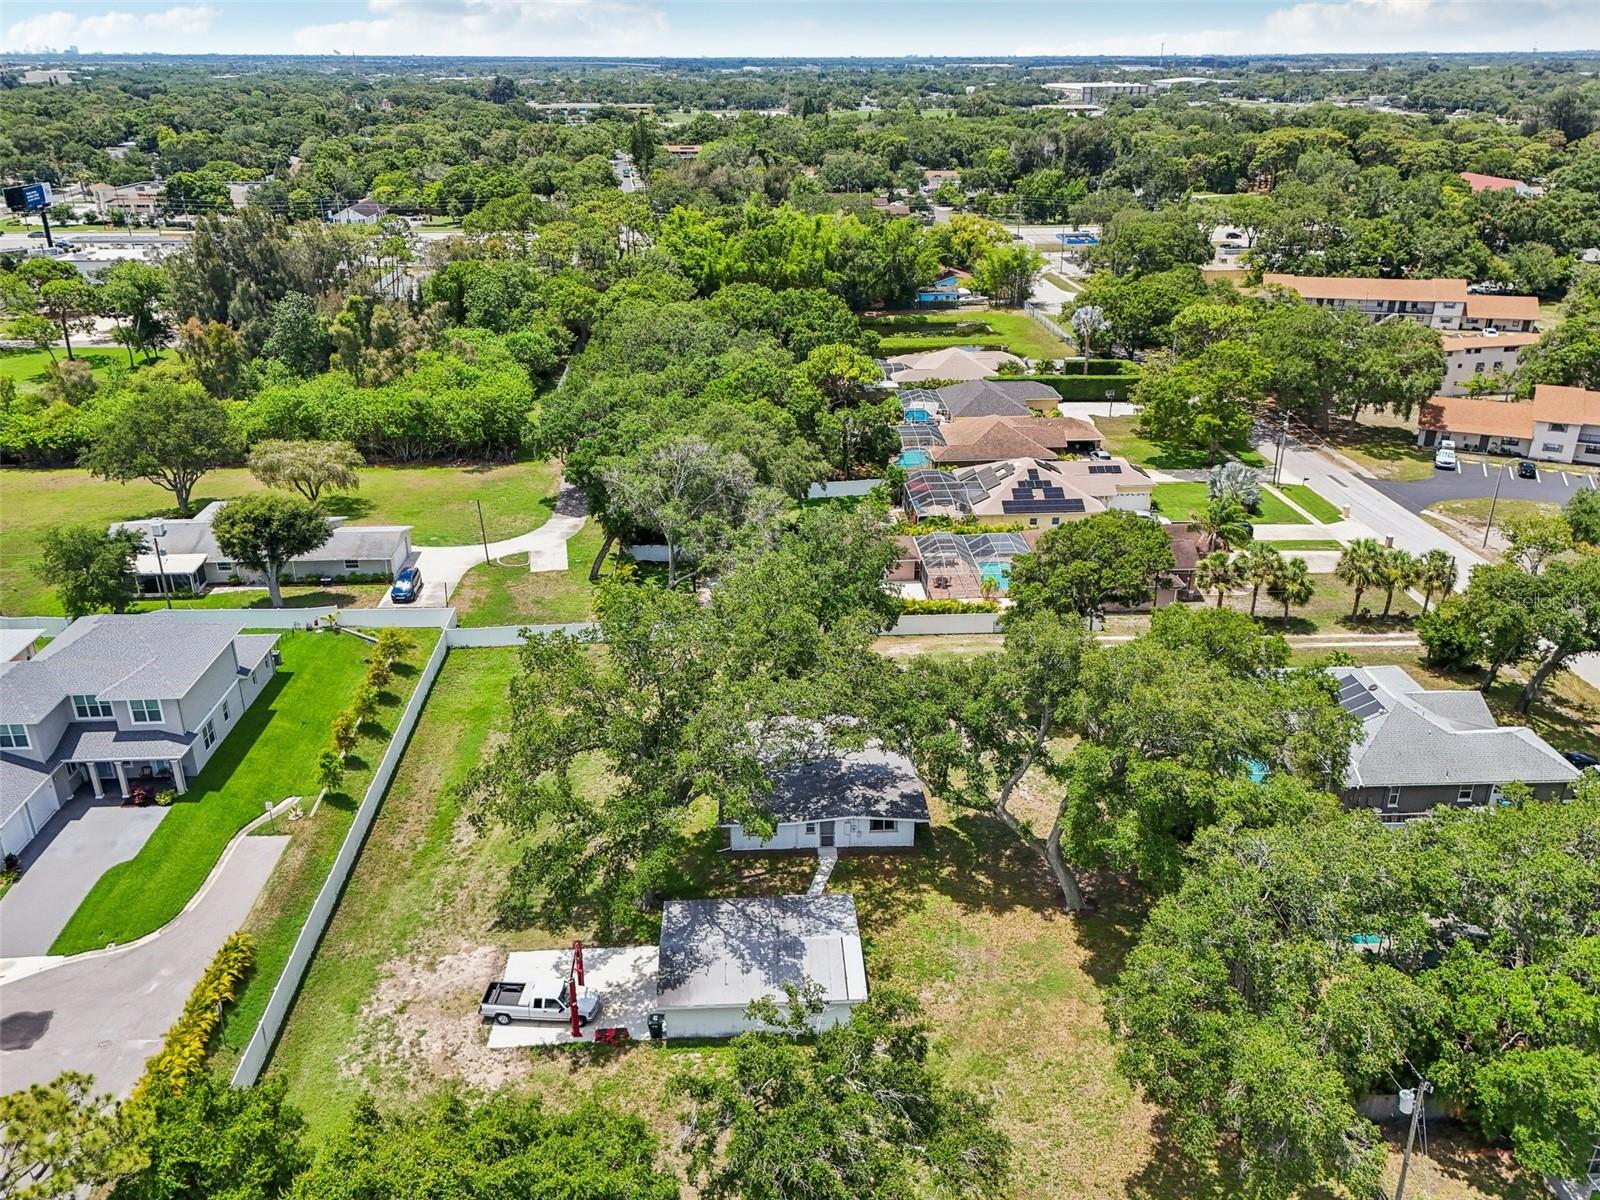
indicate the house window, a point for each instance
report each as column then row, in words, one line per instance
column 1592, row 448
column 1551, row 448
column 1033, row 520
column 352, row 564
column 225, row 713
column 224, row 565
column 88, row 707
column 1464, row 794
column 13, row 737
column 145, row 712
column 208, row 735
column 1393, row 800
column 878, row 825
column 1557, row 427
column 811, row 827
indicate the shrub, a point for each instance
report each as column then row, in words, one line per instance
column 364, row 704
column 330, row 770
column 393, row 644
column 346, row 732
column 379, row 671
column 1090, row 387
column 1449, row 637
column 183, row 1050
column 165, row 798
column 947, row 607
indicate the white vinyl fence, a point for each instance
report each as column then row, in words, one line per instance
column 913, row 624
column 834, row 488
column 255, row 1053
column 51, row 625
column 508, row 635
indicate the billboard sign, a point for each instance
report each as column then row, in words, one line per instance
column 28, row 197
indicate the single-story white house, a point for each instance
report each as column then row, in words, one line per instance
column 191, row 561
column 362, row 212
column 716, row 956
column 869, row 798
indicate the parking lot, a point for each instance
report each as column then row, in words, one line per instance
column 1478, row 477
column 624, row 976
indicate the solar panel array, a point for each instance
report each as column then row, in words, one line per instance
column 1104, row 469
column 918, row 433
column 1031, row 494
column 1356, row 700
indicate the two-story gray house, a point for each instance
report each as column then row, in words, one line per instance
column 1421, row 750
column 117, row 703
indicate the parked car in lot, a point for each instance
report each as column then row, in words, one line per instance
column 506, row 1002
column 1526, row 470
column 407, row 586
column 1445, row 456
column 1100, row 455
column 1581, row 760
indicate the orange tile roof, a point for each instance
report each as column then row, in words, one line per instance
column 1490, row 183
column 1339, row 287
column 1466, row 414
column 1503, row 308
column 1472, row 339
column 1566, row 405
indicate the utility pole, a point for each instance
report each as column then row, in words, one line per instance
column 1492, row 502
column 1283, row 437
column 1421, row 1094
column 481, row 532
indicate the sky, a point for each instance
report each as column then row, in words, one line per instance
column 797, row 28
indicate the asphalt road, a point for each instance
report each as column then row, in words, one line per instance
column 1553, row 486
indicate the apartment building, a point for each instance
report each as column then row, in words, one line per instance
column 1560, row 424
column 1472, row 353
column 1443, row 304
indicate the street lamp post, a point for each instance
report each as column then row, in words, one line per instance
column 1111, row 400
column 158, row 530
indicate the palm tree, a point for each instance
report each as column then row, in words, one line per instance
column 1395, row 570
column 1436, row 572
column 1360, row 566
column 1216, row 571
column 1224, row 523
column 1291, row 586
column 1258, row 566
column 1087, row 321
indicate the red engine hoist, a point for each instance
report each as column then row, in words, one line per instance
column 574, row 982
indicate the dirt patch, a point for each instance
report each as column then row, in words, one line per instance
column 422, row 1022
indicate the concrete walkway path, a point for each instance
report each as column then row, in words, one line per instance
column 84, row 840
column 105, row 1012
column 827, row 860
column 546, row 547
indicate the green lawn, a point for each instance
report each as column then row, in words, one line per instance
column 436, row 501
column 275, row 921
column 1385, row 451
column 512, row 595
column 1474, row 510
column 1306, row 544
column 1187, row 501
column 345, row 595
column 1009, row 329
column 1123, row 440
column 1329, row 610
column 269, row 755
column 30, row 368
column 1323, row 510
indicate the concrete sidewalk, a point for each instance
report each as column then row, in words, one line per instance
column 105, row 1012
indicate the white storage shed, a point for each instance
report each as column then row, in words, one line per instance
column 716, row 956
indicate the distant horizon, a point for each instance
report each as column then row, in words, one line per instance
column 796, row 30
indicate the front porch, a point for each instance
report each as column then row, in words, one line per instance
column 133, row 780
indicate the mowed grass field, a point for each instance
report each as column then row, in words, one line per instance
column 1007, row 329
column 969, row 922
column 436, row 500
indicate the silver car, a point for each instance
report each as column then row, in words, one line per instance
column 508, row 1002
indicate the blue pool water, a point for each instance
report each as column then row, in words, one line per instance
column 915, row 458
column 1256, row 769
column 920, row 416
column 1000, row 572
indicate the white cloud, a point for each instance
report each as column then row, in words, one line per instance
column 1372, row 26
column 112, row 31
column 509, row 27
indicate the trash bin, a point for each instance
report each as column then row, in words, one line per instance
column 657, row 1023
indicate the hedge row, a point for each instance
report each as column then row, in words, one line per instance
column 183, row 1050
column 1087, row 387
column 944, row 608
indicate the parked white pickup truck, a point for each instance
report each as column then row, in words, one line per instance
column 508, row 1002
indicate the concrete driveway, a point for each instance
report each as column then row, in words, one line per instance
column 624, row 976
column 76, row 846
column 105, row 1012
column 1553, row 486
column 546, row 547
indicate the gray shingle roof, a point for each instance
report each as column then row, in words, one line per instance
column 1412, row 737
column 115, row 658
column 102, row 741
column 726, row 953
column 194, row 536
column 867, row 783
column 993, row 398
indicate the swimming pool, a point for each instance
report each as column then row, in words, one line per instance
column 918, row 416
column 915, row 458
column 1000, row 572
